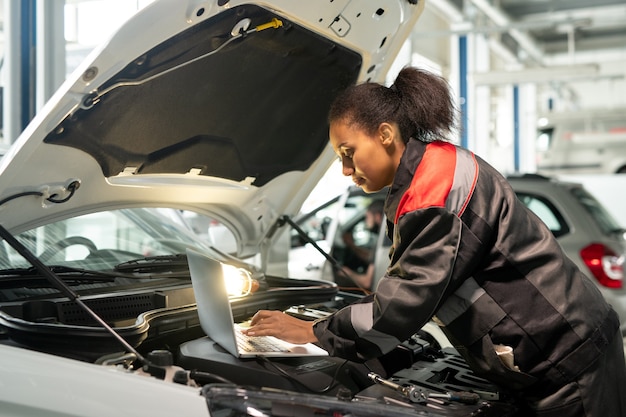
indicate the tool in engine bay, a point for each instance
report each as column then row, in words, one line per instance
column 418, row 395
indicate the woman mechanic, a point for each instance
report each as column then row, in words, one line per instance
column 467, row 254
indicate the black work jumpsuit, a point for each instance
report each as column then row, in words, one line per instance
column 468, row 254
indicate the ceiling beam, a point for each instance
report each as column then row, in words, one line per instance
column 536, row 75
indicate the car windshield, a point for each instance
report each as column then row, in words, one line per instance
column 601, row 216
column 103, row 247
column 101, row 241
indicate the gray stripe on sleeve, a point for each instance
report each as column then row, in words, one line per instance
column 362, row 318
column 460, row 301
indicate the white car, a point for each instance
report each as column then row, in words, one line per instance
column 324, row 228
column 212, row 108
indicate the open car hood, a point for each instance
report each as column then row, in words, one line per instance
column 213, row 106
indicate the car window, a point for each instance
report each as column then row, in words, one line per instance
column 316, row 223
column 362, row 235
column 99, row 240
column 600, row 215
column 356, row 236
column 352, row 220
column 546, row 212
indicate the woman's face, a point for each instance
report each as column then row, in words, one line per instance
column 371, row 160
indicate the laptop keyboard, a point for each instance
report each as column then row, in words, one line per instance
column 247, row 343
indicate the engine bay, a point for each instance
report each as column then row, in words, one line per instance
column 417, row 378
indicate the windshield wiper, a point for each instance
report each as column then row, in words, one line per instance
column 33, row 279
column 163, row 263
column 61, row 270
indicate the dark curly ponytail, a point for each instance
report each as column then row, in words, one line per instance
column 418, row 101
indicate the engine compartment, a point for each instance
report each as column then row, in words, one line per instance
column 417, row 378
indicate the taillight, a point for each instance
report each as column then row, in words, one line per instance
column 605, row 265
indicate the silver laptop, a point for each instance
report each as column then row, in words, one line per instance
column 216, row 316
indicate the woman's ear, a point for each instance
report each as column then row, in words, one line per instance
column 387, row 133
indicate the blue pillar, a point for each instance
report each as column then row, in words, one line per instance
column 516, row 135
column 27, row 61
column 463, row 91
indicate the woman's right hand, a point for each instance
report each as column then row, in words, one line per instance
column 282, row 326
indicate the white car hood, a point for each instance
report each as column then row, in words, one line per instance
column 218, row 107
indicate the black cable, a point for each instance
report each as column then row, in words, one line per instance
column 71, row 187
column 26, row 193
column 332, row 384
column 204, row 378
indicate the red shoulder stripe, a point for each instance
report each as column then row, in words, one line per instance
column 432, row 181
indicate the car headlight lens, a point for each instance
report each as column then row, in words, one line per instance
column 239, row 282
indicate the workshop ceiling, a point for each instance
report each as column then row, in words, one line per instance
column 534, row 30
column 536, row 33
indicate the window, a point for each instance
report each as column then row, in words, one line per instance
column 99, row 240
column 546, row 212
column 316, row 223
column 600, row 215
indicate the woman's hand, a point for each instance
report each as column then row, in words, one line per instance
column 282, row 326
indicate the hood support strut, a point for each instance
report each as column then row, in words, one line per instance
column 334, row 262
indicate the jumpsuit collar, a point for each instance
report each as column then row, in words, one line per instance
column 409, row 162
